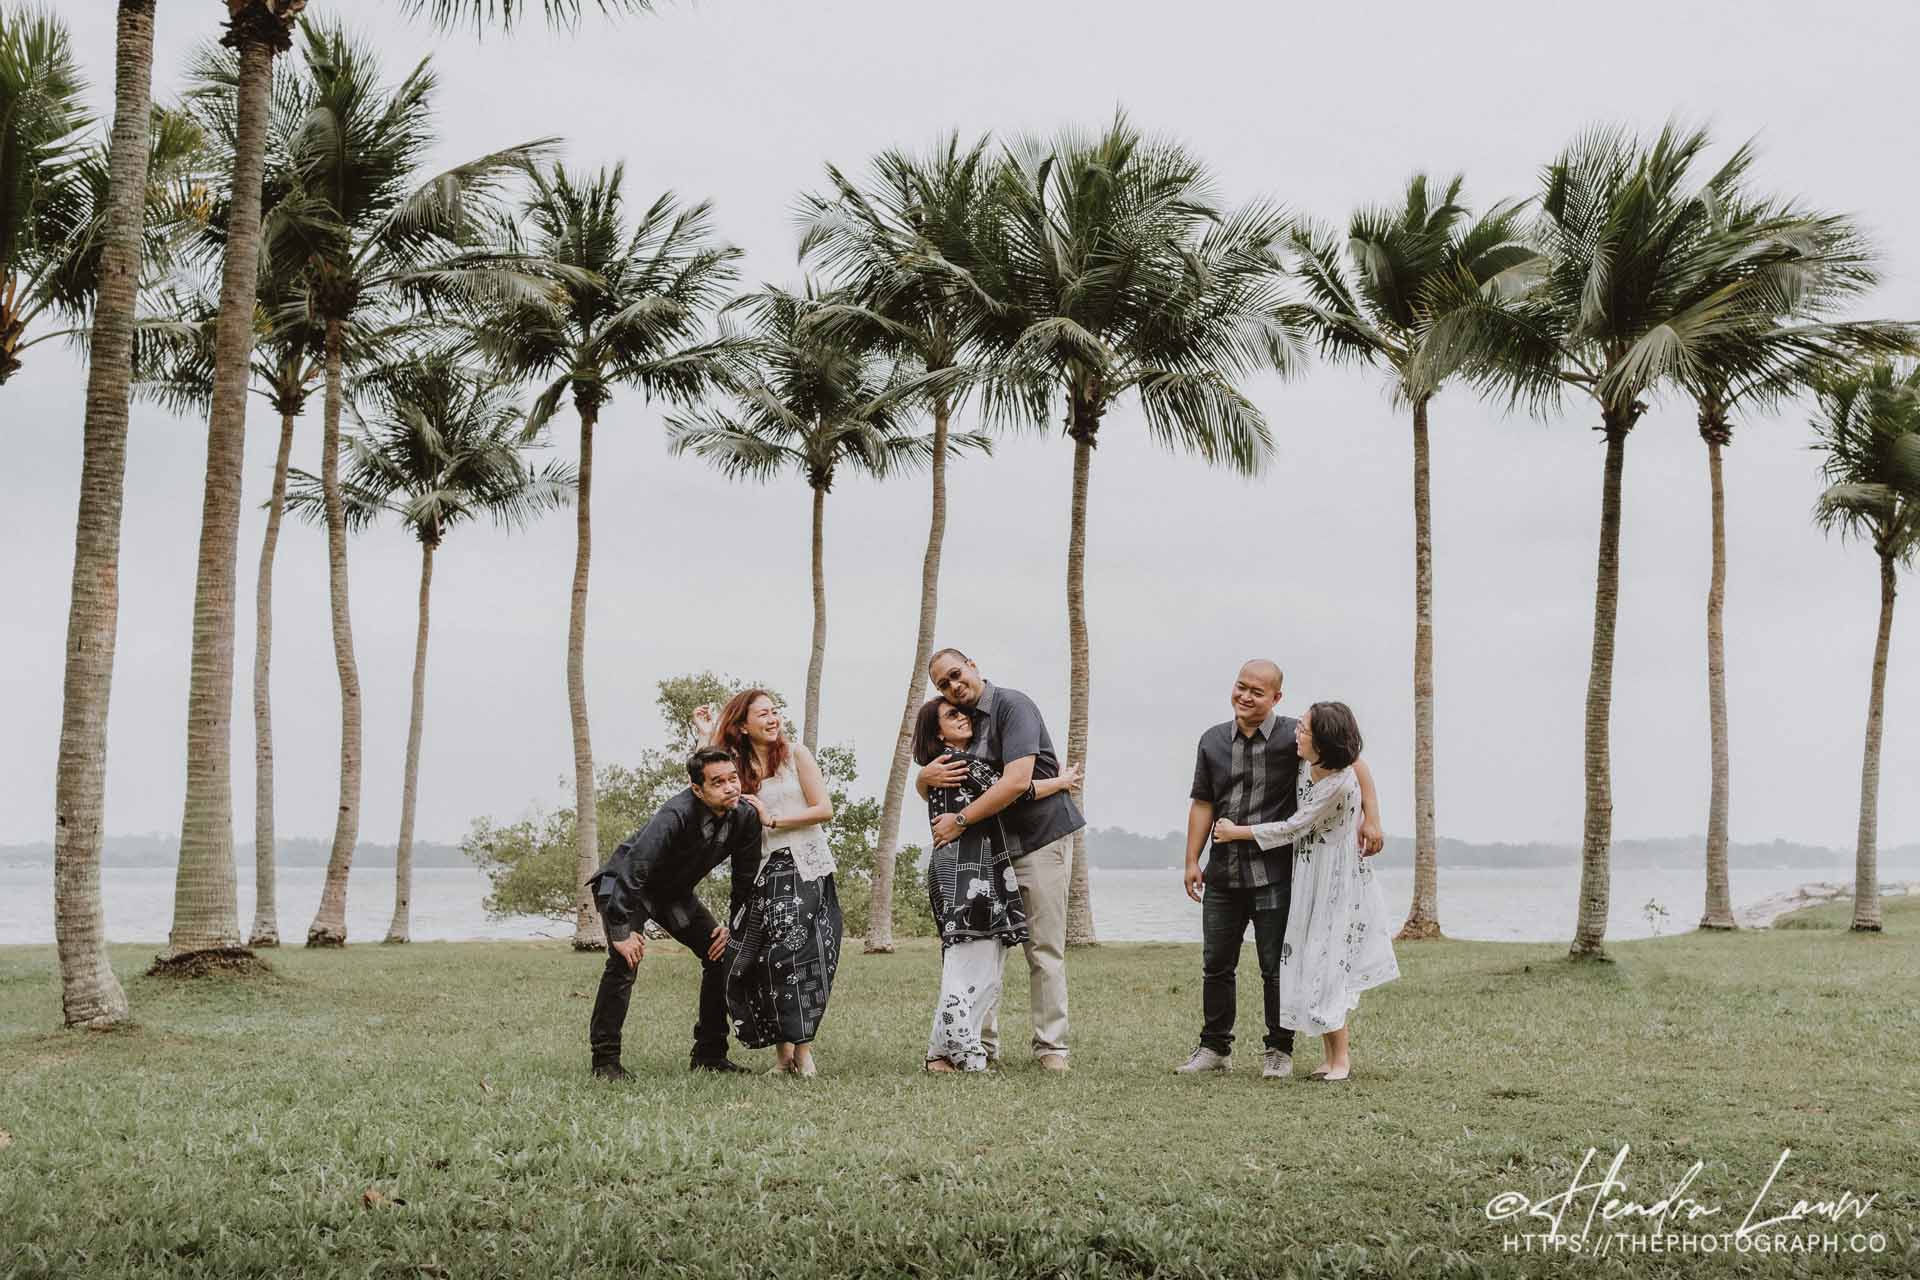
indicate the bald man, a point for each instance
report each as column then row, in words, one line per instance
column 1245, row 772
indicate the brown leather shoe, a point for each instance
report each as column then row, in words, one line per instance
column 1054, row 1062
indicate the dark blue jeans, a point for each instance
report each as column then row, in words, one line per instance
column 1224, row 915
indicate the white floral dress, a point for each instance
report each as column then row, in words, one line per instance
column 1338, row 942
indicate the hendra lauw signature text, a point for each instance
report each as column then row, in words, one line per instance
column 1678, row 1205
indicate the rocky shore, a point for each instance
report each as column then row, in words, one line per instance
column 1762, row 914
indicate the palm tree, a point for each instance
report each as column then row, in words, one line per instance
column 42, row 117
column 1819, row 263
column 1869, row 429
column 206, row 913
column 90, row 995
column 287, row 369
column 1637, row 283
column 878, row 242
column 1408, row 263
column 174, row 365
column 447, row 445
column 1106, row 269
column 634, row 306
column 55, row 191
column 383, row 237
column 816, row 404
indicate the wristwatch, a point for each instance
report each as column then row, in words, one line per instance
column 961, row 818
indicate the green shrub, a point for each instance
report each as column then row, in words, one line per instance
column 531, row 866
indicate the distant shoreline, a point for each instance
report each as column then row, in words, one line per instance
column 1134, row 903
column 1110, row 849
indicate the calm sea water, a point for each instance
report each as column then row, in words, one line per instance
column 1140, row 906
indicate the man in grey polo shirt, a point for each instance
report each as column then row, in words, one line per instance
column 1009, row 733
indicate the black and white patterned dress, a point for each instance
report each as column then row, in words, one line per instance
column 970, row 883
column 785, row 947
column 1339, row 937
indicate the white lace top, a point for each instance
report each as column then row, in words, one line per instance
column 781, row 795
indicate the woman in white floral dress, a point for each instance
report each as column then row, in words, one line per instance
column 1339, row 936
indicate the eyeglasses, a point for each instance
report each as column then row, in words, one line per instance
column 951, row 678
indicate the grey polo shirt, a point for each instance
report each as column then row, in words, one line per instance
column 1007, row 726
column 1249, row 779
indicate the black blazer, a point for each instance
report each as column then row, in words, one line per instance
column 664, row 860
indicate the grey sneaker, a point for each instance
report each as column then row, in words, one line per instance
column 1279, row 1065
column 1203, row 1059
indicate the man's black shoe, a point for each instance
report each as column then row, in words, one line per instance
column 722, row 1065
column 611, row 1071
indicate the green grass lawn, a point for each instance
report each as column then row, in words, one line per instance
column 425, row 1111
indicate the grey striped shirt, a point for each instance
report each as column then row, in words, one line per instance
column 1248, row 779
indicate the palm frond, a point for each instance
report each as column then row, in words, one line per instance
column 484, row 15
column 1207, row 416
column 442, row 442
column 1868, row 430
column 733, row 449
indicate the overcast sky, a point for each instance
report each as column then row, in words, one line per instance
column 743, row 101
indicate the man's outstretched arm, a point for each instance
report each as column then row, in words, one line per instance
column 1012, row 785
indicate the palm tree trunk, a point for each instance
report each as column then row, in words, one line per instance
column 1080, row 931
column 266, row 913
column 1718, row 913
column 329, row 927
column 817, row 659
column 1866, row 858
column 206, row 910
column 880, row 931
column 1596, row 843
column 588, row 935
column 90, row 996
column 1423, row 916
column 13, row 321
column 401, row 928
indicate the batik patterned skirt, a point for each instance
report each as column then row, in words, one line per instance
column 782, row 956
column 973, row 892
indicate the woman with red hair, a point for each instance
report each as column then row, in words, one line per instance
column 785, row 945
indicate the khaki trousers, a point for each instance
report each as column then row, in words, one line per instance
column 1043, row 876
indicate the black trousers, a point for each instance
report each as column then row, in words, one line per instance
column 691, row 925
column 1224, row 915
